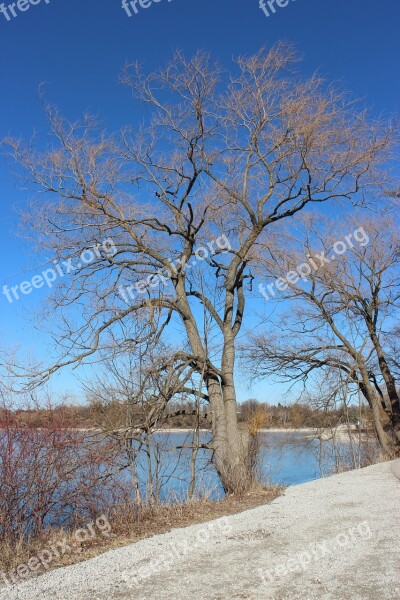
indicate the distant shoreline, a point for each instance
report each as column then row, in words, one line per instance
column 324, row 433
column 263, row 430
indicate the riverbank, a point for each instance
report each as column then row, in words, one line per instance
column 340, row 433
column 124, row 526
column 326, row 539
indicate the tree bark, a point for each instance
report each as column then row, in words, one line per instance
column 388, row 444
column 390, row 385
column 228, row 444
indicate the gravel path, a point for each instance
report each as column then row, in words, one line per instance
column 331, row 539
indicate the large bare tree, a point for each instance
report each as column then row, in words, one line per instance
column 218, row 162
column 339, row 315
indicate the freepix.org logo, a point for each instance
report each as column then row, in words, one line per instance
column 131, row 6
column 101, row 251
column 11, row 10
column 304, row 270
column 271, row 8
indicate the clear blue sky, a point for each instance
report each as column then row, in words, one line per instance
column 79, row 46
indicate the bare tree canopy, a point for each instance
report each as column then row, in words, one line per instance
column 339, row 315
column 191, row 199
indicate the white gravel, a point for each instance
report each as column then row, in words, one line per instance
column 331, row 539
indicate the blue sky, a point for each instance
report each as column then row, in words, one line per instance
column 79, row 46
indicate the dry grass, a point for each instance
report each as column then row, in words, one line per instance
column 129, row 525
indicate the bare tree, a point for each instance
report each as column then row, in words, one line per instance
column 338, row 316
column 220, row 161
column 132, row 398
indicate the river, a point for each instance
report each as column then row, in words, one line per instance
column 285, row 459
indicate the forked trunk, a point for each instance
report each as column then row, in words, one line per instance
column 230, row 449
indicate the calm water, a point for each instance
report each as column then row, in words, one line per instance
column 286, row 459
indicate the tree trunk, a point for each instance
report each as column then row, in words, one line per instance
column 230, row 457
column 390, row 386
column 389, row 445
